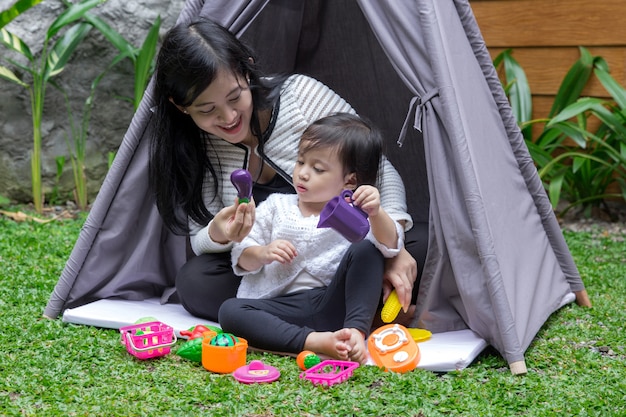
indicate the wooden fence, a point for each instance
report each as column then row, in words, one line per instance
column 545, row 36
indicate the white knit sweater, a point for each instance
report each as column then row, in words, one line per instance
column 319, row 250
column 302, row 101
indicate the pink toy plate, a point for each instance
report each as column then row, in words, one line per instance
column 256, row 372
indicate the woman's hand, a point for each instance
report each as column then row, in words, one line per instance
column 400, row 274
column 233, row 223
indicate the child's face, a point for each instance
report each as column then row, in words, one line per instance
column 319, row 175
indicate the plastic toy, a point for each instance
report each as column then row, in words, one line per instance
column 307, row 359
column 329, row 372
column 242, row 180
column 419, row 335
column 198, row 331
column 224, row 340
column 148, row 340
column 145, row 320
column 223, row 359
column 256, row 372
column 391, row 308
column 191, row 349
column 345, row 218
column 393, row 349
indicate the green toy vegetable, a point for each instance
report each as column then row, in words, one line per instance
column 191, row 349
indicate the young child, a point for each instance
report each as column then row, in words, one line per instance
column 299, row 291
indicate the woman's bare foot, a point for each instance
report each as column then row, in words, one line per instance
column 344, row 344
column 582, row 298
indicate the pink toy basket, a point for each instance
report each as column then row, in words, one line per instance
column 148, row 340
column 329, row 372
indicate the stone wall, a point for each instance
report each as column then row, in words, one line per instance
column 110, row 116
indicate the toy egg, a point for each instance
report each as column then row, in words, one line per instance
column 224, row 340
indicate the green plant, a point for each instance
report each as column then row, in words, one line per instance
column 110, row 158
column 55, row 194
column 55, row 53
column 79, row 133
column 14, row 11
column 142, row 58
column 572, row 160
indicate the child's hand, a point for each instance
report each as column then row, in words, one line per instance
column 278, row 251
column 367, row 198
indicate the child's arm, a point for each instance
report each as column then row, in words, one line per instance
column 383, row 227
column 254, row 257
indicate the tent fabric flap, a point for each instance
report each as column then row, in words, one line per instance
column 497, row 261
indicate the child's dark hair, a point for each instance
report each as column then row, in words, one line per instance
column 358, row 143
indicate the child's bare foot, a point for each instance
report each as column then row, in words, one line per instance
column 337, row 345
column 358, row 353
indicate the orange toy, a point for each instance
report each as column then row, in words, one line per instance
column 393, row 349
column 223, row 359
column 307, row 359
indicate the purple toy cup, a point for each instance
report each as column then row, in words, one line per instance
column 345, row 218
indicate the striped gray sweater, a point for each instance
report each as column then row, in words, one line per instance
column 302, row 101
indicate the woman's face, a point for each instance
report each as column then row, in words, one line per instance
column 224, row 109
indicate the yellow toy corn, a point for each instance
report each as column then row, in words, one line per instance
column 391, row 308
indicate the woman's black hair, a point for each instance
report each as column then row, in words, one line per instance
column 187, row 63
column 358, row 143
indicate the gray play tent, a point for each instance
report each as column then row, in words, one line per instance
column 497, row 262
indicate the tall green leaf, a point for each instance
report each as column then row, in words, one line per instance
column 114, row 37
column 574, row 82
column 14, row 11
column 64, row 48
column 16, row 43
column 7, row 74
column 517, row 90
column 145, row 60
column 71, row 14
column 612, row 87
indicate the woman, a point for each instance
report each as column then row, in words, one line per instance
column 216, row 113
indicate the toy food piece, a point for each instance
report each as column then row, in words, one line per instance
column 307, row 359
column 256, row 372
column 191, row 349
column 224, row 340
column 393, row 349
column 391, row 308
column 198, row 331
column 242, row 180
column 145, row 320
column 419, row 335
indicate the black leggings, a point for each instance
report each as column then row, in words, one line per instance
column 207, row 280
column 283, row 323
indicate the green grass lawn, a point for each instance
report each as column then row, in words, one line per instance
column 577, row 363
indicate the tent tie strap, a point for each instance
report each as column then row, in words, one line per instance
column 417, row 104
